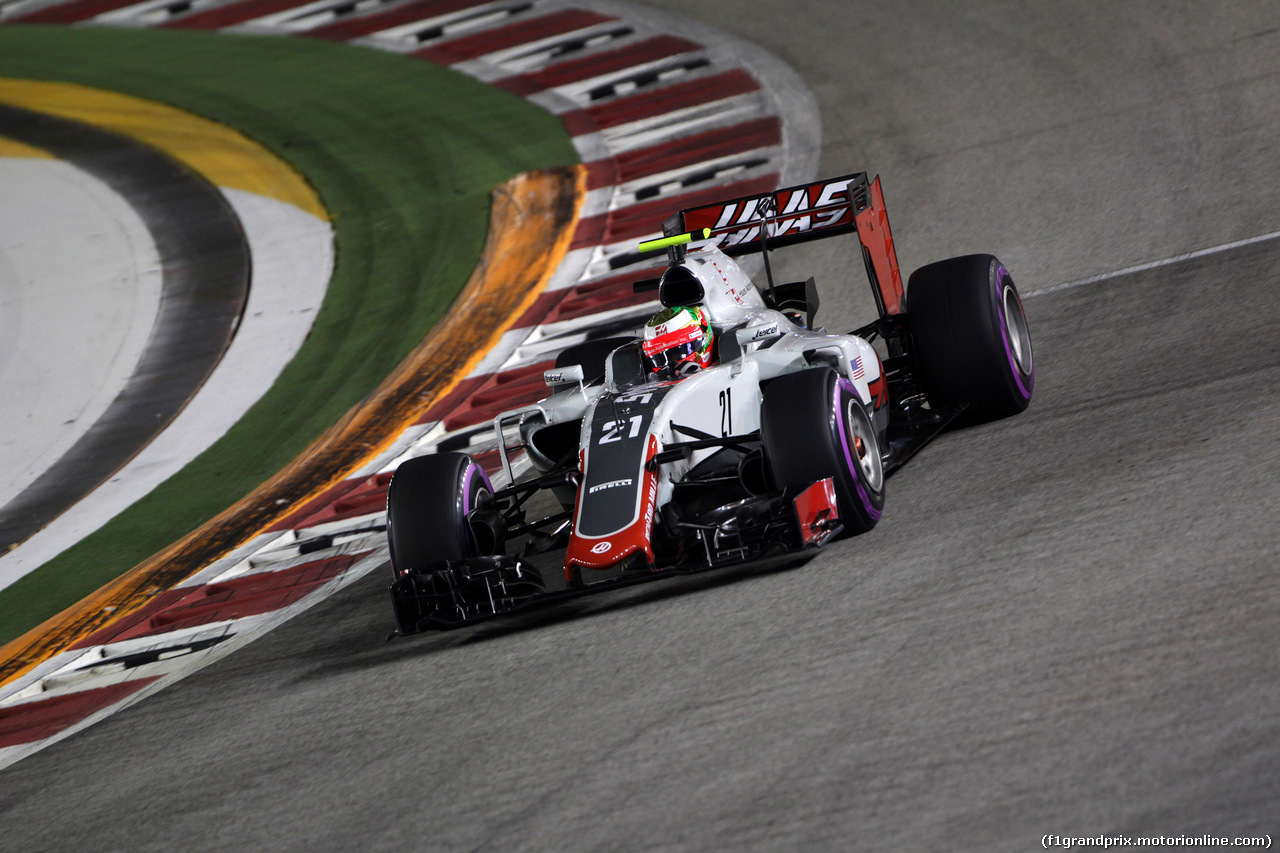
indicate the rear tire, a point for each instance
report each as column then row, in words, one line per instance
column 427, row 505
column 813, row 425
column 971, row 339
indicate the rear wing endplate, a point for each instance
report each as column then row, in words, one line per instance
column 802, row 213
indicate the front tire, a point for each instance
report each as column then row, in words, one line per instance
column 813, row 425
column 970, row 337
column 427, row 505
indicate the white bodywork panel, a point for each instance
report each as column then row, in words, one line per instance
column 725, row 399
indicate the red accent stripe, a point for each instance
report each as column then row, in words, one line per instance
column 581, row 556
column 232, row 14
column 699, row 148
column 814, row 506
column 234, row 599
column 419, row 10
column 877, row 239
column 646, row 218
column 596, row 65
column 879, row 388
column 71, row 13
column 42, row 718
column 690, row 93
column 512, row 35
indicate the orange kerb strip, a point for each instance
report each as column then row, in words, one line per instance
column 531, row 225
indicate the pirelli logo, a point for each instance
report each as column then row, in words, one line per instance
column 612, row 484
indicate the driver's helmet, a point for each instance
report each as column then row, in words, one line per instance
column 677, row 342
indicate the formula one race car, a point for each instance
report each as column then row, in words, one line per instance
column 729, row 431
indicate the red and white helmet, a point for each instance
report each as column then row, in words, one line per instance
column 677, row 342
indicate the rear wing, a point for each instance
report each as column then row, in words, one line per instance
column 801, row 213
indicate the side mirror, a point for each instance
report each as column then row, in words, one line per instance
column 563, row 375
column 757, row 334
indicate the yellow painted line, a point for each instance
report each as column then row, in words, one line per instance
column 531, row 226
column 224, row 156
column 13, row 148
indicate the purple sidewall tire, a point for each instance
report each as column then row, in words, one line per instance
column 427, row 505
column 969, row 337
column 808, row 424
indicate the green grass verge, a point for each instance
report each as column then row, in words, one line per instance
column 403, row 154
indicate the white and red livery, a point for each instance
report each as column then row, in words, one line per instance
column 783, row 441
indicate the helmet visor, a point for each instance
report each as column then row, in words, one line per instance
column 667, row 362
column 665, row 353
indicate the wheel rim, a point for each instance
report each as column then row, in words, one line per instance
column 1015, row 325
column 862, row 444
column 471, row 495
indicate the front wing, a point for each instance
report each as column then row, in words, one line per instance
column 460, row 593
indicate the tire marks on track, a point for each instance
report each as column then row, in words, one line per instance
column 205, row 263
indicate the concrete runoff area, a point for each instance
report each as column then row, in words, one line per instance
column 1064, row 624
column 292, row 254
column 291, row 247
column 56, row 329
column 204, row 262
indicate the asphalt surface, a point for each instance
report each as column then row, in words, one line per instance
column 1064, row 624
